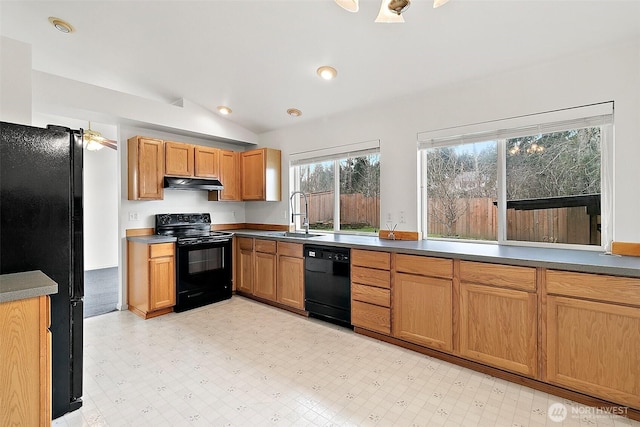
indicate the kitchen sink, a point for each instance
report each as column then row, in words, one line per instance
column 297, row 234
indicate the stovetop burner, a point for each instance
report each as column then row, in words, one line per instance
column 190, row 229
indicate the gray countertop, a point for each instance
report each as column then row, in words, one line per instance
column 561, row 259
column 30, row 284
column 152, row 238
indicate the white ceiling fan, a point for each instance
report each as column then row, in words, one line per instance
column 390, row 10
column 94, row 141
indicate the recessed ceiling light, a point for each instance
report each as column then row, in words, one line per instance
column 224, row 110
column 327, row 72
column 294, row 112
column 62, row 26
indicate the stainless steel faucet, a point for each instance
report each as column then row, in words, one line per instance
column 305, row 224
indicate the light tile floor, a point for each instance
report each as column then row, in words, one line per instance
column 242, row 363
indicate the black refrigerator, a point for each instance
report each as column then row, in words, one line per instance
column 41, row 229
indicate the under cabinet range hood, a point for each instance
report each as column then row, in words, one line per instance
column 192, row 183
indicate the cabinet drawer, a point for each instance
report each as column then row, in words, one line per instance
column 523, row 278
column 381, row 260
column 370, row 276
column 369, row 316
column 157, row 250
column 290, row 249
column 266, row 246
column 424, row 266
column 623, row 290
column 371, row 294
column 245, row 243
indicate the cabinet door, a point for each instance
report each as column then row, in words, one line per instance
column 178, row 159
column 207, row 162
column 230, row 175
column 162, row 283
column 264, row 285
column 245, row 270
column 422, row 310
column 146, row 168
column 20, row 363
column 593, row 347
column 253, row 175
column 291, row 281
column 498, row 327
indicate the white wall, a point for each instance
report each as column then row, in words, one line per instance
column 603, row 75
column 15, row 81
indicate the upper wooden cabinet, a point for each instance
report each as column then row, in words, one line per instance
column 191, row 160
column 207, row 162
column 146, row 168
column 229, row 171
column 178, row 159
column 261, row 175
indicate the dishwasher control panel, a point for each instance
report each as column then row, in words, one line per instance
column 327, row 253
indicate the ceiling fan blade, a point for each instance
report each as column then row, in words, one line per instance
column 109, row 143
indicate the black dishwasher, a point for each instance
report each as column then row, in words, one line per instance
column 327, row 287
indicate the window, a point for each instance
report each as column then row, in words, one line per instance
column 342, row 188
column 543, row 184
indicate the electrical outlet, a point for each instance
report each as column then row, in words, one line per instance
column 389, row 217
column 134, row 216
column 402, row 218
column 284, row 214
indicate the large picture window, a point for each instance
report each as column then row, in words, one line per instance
column 543, row 184
column 342, row 189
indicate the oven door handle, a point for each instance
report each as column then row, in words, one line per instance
column 197, row 294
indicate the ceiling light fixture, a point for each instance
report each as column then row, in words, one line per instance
column 60, row 25
column 390, row 10
column 350, row 5
column 327, row 72
column 94, row 141
column 294, row 112
column 399, row 6
column 387, row 16
column 438, row 3
column 225, row 111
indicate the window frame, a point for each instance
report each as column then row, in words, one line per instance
column 594, row 115
column 336, row 155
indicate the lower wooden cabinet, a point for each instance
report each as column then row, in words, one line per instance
column 594, row 347
column 422, row 310
column 244, row 265
column 265, row 276
column 499, row 327
column 25, row 362
column 265, row 265
column 370, row 290
column 290, row 286
column 151, row 284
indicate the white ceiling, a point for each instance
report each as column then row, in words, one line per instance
column 259, row 57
